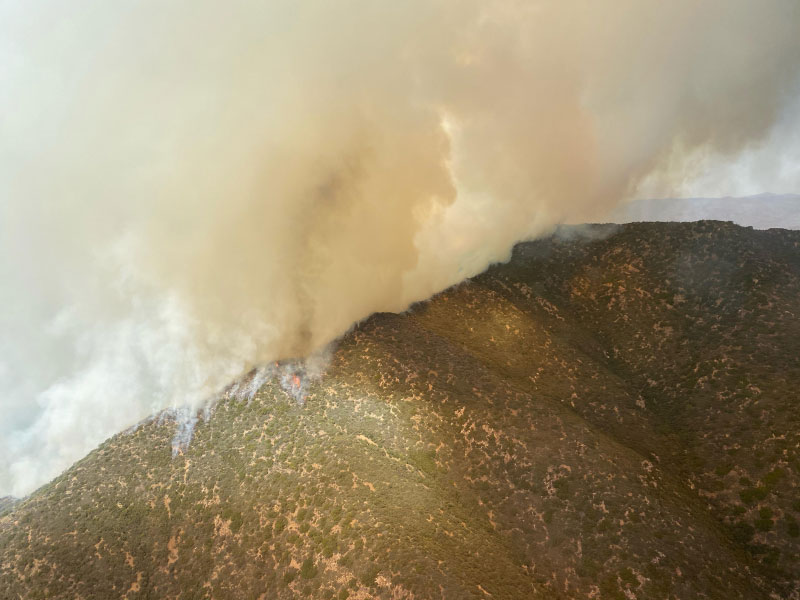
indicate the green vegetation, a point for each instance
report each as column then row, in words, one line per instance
column 753, row 494
column 308, row 570
column 764, row 521
column 792, row 528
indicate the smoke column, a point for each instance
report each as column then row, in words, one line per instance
column 190, row 188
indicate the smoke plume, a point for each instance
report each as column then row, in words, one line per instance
column 190, row 189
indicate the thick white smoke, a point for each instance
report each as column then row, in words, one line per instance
column 189, row 188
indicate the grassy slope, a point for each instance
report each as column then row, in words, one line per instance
column 615, row 416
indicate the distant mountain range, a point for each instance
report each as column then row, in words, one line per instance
column 764, row 211
column 612, row 414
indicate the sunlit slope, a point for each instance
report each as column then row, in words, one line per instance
column 615, row 415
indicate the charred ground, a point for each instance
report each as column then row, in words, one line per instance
column 611, row 414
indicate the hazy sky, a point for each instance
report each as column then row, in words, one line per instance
column 189, row 188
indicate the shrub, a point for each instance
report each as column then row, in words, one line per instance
column 751, row 495
column 742, row 532
column 771, row 478
column 289, row 576
column 763, row 524
column 280, row 524
column 792, row 528
column 368, row 576
column 308, row 570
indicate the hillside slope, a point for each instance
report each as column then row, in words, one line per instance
column 612, row 416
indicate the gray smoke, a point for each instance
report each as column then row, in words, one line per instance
column 191, row 189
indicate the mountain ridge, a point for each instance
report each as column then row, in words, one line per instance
column 761, row 211
column 607, row 415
